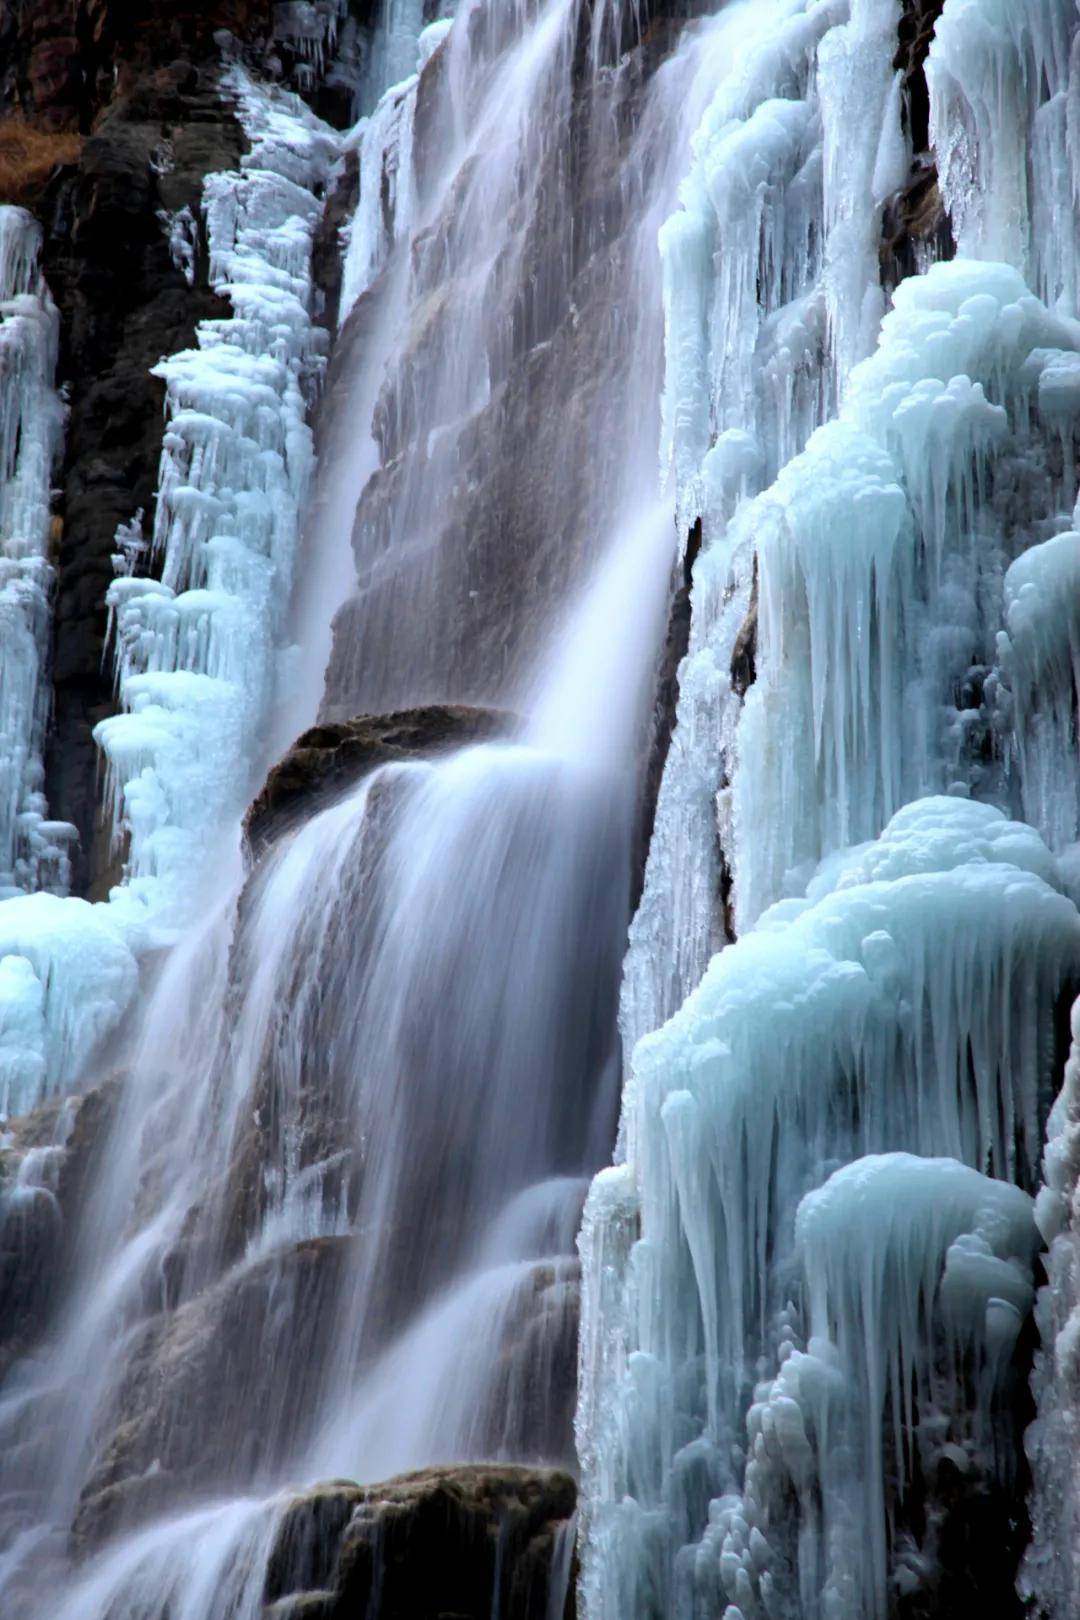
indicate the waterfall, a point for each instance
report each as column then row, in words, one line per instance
column 363, row 1099
column 623, row 1034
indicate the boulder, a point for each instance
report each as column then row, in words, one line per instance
column 330, row 758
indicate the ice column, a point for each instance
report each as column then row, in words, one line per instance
column 999, row 80
column 771, row 294
column 879, row 550
column 1039, row 656
column 199, row 652
column 873, row 1016
column 33, row 850
column 1050, row 1578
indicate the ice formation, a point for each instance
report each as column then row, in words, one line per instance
column 199, row 651
column 880, row 558
column 309, row 28
column 791, row 1299
column 66, row 972
column 1039, row 655
column 875, row 1016
column 1000, row 75
column 33, row 849
column 1051, row 1573
column 384, row 143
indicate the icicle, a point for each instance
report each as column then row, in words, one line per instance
column 197, row 653
column 1050, row 1576
column 771, row 294
column 1040, row 657
column 879, row 557
column 935, row 1260
column 33, row 849
column 875, row 1015
column 993, row 66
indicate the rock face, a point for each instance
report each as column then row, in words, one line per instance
column 459, row 1543
column 124, row 305
column 329, row 758
column 152, row 133
column 519, row 520
column 212, row 1393
column 46, row 1162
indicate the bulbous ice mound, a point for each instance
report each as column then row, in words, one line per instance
column 879, row 551
column 906, row 1005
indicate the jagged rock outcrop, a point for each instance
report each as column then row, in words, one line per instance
column 468, row 1542
column 330, row 758
column 915, row 230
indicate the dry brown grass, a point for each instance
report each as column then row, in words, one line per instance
column 28, row 157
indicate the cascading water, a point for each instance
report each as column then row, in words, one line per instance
column 368, row 1093
column 329, row 1232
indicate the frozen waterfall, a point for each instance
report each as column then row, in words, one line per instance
column 629, row 1029
column 793, row 1328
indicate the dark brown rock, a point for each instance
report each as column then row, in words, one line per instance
column 466, row 1542
column 915, row 229
column 330, row 758
column 665, row 706
column 916, row 30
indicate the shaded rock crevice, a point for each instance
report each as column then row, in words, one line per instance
column 916, row 230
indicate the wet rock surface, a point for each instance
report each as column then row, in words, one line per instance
column 468, row 1542
column 47, row 1160
column 330, row 758
column 522, row 521
column 212, row 1392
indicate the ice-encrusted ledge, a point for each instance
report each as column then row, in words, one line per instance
column 201, row 653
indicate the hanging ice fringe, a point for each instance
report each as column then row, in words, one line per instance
column 806, row 1278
